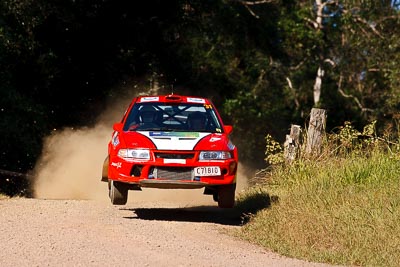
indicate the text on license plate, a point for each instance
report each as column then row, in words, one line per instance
column 207, row 171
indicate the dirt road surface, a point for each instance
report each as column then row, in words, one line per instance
column 71, row 222
column 40, row 232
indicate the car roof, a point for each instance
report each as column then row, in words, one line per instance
column 173, row 99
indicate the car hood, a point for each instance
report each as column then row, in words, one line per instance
column 177, row 140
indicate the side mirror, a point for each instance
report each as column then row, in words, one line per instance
column 118, row 126
column 228, row 129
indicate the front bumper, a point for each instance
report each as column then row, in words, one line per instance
column 168, row 172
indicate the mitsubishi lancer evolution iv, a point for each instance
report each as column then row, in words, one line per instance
column 171, row 142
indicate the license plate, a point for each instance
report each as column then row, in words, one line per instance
column 207, row 171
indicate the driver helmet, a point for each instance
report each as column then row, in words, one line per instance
column 196, row 121
column 147, row 114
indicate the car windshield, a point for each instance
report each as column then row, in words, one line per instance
column 172, row 117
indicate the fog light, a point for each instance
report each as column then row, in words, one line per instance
column 136, row 171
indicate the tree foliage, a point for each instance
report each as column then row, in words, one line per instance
column 258, row 61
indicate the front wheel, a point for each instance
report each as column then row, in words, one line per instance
column 226, row 196
column 118, row 192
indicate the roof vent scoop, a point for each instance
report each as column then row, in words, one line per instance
column 173, row 98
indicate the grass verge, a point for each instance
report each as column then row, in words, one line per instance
column 340, row 211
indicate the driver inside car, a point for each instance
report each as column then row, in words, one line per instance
column 196, row 121
column 146, row 116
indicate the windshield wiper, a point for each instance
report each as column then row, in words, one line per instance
column 152, row 129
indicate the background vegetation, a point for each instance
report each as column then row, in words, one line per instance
column 265, row 64
column 60, row 61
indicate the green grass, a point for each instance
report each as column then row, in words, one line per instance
column 338, row 210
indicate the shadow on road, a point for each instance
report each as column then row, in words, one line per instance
column 207, row 214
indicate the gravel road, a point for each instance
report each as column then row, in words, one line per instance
column 40, row 232
column 155, row 228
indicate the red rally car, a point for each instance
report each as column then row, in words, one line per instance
column 171, row 141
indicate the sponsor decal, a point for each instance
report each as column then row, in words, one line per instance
column 115, row 139
column 231, row 146
column 215, row 139
column 116, row 164
column 174, row 134
column 195, row 100
column 149, row 98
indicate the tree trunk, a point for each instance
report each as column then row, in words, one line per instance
column 316, row 131
column 292, row 144
column 318, row 84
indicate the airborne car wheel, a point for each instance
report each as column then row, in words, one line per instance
column 118, row 192
column 226, row 196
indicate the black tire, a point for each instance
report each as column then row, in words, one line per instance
column 215, row 196
column 118, row 193
column 104, row 175
column 226, row 196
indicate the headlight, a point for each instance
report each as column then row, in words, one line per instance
column 134, row 153
column 209, row 155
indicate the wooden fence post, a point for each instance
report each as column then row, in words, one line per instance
column 316, row 131
column 292, row 144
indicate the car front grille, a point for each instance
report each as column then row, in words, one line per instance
column 174, row 155
column 173, row 173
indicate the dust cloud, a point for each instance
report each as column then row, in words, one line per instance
column 71, row 163
column 72, row 159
